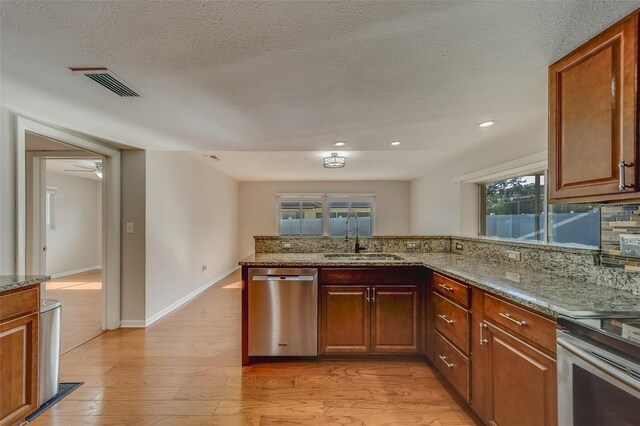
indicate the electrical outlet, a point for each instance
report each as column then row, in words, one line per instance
column 513, row 255
column 412, row 244
column 129, row 227
column 513, row 276
column 459, row 246
column 286, row 245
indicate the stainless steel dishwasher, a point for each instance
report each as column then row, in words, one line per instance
column 283, row 312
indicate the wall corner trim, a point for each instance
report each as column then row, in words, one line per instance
column 175, row 305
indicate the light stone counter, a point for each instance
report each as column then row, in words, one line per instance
column 545, row 292
column 12, row 282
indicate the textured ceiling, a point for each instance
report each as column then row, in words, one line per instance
column 295, row 76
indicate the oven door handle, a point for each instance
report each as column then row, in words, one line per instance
column 601, row 363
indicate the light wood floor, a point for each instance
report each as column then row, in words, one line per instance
column 81, row 299
column 186, row 370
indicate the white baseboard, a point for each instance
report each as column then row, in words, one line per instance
column 173, row 306
column 133, row 324
column 77, row 271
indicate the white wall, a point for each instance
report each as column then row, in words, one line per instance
column 76, row 241
column 258, row 205
column 440, row 207
column 192, row 219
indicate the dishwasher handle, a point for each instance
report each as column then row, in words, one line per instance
column 283, row 278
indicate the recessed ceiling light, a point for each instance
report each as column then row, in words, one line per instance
column 486, row 123
column 339, row 143
column 394, row 143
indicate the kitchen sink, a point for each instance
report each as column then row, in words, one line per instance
column 362, row 256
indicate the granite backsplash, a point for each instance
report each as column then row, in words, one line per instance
column 400, row 244
column 574, row 262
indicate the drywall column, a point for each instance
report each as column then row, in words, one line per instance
column 133, row 262
column 7, row 192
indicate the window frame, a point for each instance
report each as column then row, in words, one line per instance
column 325, row 199
column 545, row 210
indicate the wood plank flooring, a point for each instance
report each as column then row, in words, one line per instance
column 186, row 370
column 81, row 297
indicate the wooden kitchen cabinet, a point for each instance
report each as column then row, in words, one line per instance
column 369, row 319
column 593, row 118
column 345, row 325
column 395, row 318
column 19, row 321
column 520, row 382
column 513, row 374
column 448, row 331
column 373, row 311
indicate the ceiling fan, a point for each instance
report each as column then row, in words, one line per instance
column 96, row 167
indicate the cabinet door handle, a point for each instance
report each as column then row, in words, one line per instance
column 368, row 299
column 483, row 341
column 373, row 294
column 622, row 184
column 444, row 359
column 445, row 319
column 445, row 287
column 507, row 316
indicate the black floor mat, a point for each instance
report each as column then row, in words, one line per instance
column 64, row 389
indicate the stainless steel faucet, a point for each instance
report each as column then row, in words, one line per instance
column 357, row 247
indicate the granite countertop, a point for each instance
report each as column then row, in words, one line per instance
column 544, row 292
column 12, row 282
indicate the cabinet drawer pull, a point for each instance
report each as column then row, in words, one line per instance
column 621, row 166
column 445, row 287
column 482, row 339
column 368, row 298
column 445, row 319
column 507, row 316
column 373, row 294
column 444, row 359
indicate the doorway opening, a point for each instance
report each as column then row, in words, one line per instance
column 65, row 233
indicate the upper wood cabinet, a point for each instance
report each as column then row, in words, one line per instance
column 593, row 118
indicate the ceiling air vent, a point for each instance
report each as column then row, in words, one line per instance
column 109, row 80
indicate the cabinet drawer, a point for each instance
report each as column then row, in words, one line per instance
column 454, row 290
column 527, row 324
column 452, row 321
column 453, row 365
column 22, row 302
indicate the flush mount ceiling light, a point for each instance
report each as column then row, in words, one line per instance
column 339, row 143
column 335, row 161
column 394, row 143
column 488, row 123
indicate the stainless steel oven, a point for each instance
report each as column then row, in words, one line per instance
column 598, row 373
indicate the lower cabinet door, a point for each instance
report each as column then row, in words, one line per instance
column 395, row 319
column 19, row 368
column 344, row 319
column 520, row 381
